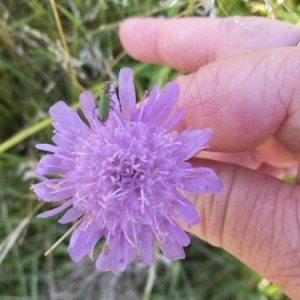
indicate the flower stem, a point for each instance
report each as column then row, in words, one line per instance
column 150, row 281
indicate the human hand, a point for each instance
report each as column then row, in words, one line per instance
column 245, row 85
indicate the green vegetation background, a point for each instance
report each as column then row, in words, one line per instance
column 40, row 64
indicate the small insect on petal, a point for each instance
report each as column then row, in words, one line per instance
column 104, row 103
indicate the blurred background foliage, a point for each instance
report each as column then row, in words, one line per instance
column 52, row 50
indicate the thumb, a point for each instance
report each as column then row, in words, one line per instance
column 256, row 218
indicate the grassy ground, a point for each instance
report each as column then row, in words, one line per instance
column 35, row 71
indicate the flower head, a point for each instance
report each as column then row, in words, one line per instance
column 123, row 178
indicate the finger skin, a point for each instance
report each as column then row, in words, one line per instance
column 256, row 218
column 270, row 156
column 245, row 99
column 186, row 44
column 273, row 154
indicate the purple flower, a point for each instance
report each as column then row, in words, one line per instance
column 123, row 179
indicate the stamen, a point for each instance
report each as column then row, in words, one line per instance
column 63, row 237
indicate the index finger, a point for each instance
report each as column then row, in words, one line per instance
column 186, row 44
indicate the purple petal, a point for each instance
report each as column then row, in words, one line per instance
column 46, row 147
column 177, row 234
column 89, row 108
column 116, row 255
column 65, row 142
column 52, row 190
column 130, row 231
column 184, row 210
column 147, row 254
column 171, row 239
column 114, row 100
column 165, row 103
column 193, row 141
column 67, row 120
column 82, row 243
column 171, row 250
column 127, row 92
column 202, row 180
column 175, row 119
column 71, row 215
column 55, row 210
column 107, row 260
column 145, row 108
column 51, row 164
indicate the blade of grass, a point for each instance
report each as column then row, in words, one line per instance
column 24, row 134
column 63, row 40
column 34, row 280
column 14, row 234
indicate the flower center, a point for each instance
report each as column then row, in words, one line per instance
column 125, row 169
